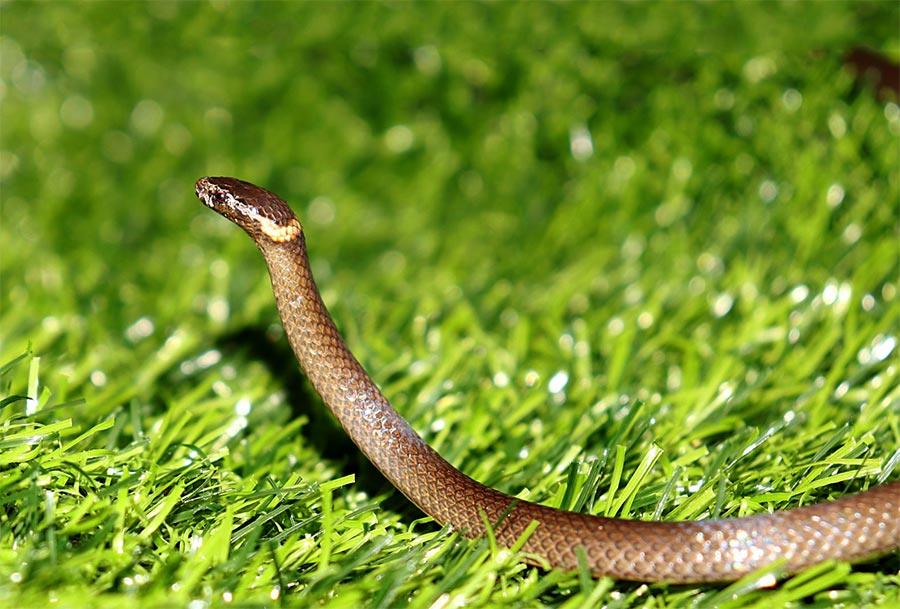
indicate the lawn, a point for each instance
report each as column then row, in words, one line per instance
column 632, row 260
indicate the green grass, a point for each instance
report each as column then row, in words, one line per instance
column 694, row 317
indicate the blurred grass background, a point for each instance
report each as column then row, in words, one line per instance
column 574, row 243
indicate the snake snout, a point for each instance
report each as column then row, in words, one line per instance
column 204, row 191
column 199, row 188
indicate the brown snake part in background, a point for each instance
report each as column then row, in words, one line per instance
column 849, row 529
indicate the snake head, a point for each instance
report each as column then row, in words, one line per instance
column 264, row 215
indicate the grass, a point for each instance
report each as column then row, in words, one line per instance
column 632, row 260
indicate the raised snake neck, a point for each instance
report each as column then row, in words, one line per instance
column 849, row 529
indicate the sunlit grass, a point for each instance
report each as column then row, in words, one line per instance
column 604, row 272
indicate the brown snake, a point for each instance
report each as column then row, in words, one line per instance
column 849, row 529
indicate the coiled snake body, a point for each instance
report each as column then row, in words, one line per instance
column 852, row 528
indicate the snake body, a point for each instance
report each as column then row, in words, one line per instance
column 849, row 529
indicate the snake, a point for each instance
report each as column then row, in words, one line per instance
column 852, row 528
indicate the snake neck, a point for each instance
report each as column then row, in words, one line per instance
column 334, row 372
column 375, row 427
